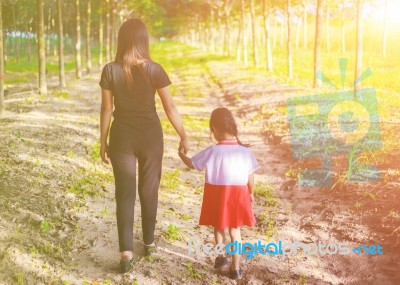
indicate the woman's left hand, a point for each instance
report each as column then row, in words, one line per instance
column 184, row 146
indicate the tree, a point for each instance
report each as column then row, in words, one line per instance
column 41, row 49
column 253, row 32
column 1, row 59
column 78, row 41
column 317, row 44
column 101, row 34
column 359, row 49
column 88, row 54
column 289, row 48
column 305, row 20
column 268, row 50
column 328, row 36
column 61, row 46
column 108, row 32
column 342, row 22
column 245, row 50
column 384, row 30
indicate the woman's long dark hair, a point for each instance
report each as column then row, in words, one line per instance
column 223, row 121
column 133, row 46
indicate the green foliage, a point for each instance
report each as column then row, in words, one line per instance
column 173, row 233
column 193, row 273
column 170, row 180
column 267, row 192
column 87, row 186
column 45, row 226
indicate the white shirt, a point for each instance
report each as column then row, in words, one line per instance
column 226, row 163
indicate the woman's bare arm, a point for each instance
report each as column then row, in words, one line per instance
column 105, row 119
column 174, row 117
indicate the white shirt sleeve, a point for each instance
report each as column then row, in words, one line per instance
column 200, row 160
column 253, row 163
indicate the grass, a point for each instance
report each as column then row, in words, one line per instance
column 173, row 233
column 193, row 273
column 170, row 181
column 267, row 220
column 86, row 186
column 267, row 192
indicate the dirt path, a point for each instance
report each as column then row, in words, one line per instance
column 57, row 208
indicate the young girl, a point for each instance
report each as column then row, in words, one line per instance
column 228, row 190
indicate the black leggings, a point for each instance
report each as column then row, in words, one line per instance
column 149, row 158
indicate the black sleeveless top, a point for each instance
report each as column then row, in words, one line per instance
column 135, row 112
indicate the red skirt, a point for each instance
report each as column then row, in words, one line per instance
column 226, row 206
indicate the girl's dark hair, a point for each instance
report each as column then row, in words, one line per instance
column 133, row 46
column 223, row 121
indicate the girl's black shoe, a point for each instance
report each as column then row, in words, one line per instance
column 125, row 265
column 236, row 274
column 220, row 261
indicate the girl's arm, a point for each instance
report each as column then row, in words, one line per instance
column 250, row 185
column 105, row 119
column 186, row 160
column 174, row 117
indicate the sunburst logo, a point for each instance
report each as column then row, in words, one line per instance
column 326, row 125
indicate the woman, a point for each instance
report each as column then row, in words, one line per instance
column 130, row 82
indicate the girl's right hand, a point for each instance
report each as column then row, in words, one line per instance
column 104, row 153
column 252, row 197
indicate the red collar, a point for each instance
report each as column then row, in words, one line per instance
column 228, row 142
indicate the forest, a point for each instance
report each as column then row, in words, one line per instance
column 314, row 84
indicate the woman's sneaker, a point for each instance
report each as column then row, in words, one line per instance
column 220, row 261
column 125, row 265
column 150, row 249
column 236, row 274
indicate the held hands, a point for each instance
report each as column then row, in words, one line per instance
column 183, row 146
column 104, row 153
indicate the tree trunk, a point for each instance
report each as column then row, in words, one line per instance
column 359, row 49
column 384, row 30
column 88, row 48
column 101, row 34
column 113, row 41
column 212, row 30
column 328, row 44
column 317, row 44
column 48, row 32
column 16, row 46
column 227, row 40
column 78, row 41
column 343, row 31
column 253, row 32
column 239, row 38
column 1, row 59
column 245, row 50
column 281, row 33
column 305, row 18
column 297, row 35
column 238, row 42
column 108, row 34
column 268, row 50
column 41, row 50
column 60, row 46
column 274, row 31
column 29, row 44
column 220, row 45
column 289, row 48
